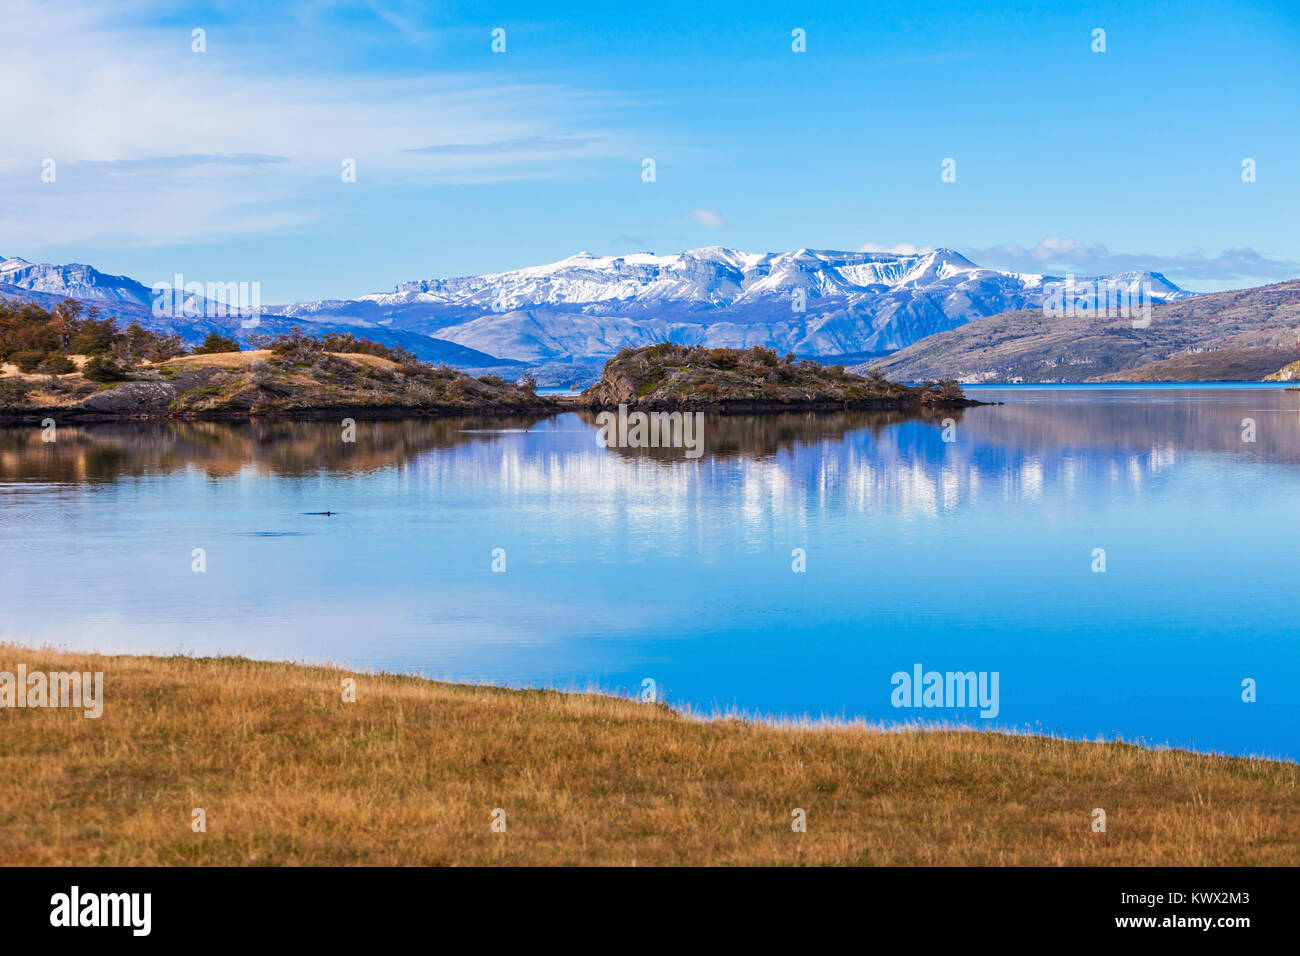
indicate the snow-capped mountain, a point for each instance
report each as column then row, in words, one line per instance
column 816, row 303
column 74, row 281
column 587, row 307
column 192, row 316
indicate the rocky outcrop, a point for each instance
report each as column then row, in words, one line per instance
column 132, row 398
column 668, row 376
column 250, row 384
column 1290, row 373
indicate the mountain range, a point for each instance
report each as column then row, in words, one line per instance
column 815, row 303
column 581, row 310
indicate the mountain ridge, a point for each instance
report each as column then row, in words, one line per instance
column 585, row 307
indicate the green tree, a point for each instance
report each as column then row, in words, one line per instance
column 215, row 344
column 105, row 368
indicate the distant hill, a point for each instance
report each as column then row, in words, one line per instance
column 1216, row 365
column 1215, row 337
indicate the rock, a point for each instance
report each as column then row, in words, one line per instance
column 132, row 398
column 1290, row 373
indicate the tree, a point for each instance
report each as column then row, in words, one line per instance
column 105, row 368
column 57, row 364
column 215, row 344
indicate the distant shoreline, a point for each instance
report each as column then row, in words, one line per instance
column 1113, row 386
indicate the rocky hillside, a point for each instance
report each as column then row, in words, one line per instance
column 668, row 376
column 303, row 383
column 1216, row 365
column 1289, row 373
column 1030, row 346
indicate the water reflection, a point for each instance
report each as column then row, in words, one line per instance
column 1137, row 434
column 106, row 452
column 972, row 554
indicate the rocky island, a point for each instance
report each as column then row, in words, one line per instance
column 59, row 364
column 69, row 367
column 668, row 376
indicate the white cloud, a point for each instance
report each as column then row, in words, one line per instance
column 709, row 218
column 155, row 143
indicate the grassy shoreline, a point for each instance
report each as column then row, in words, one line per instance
column 287, row 772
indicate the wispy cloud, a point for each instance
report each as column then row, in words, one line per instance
column 709, row 218
column 189, row 162
column 231, row 142
column 1058, row 255
column 526, row 144
column 407, row 18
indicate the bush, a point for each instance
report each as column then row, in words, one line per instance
column 57, row 364
column 294, row 346
column 215, row 344
column 950, row 390
column 105, row 368
column 724, row 358
column 302, row 348
column 28, row 360
column 13, row 391
column 137, row 344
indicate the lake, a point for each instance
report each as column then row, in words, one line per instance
column 622, row 566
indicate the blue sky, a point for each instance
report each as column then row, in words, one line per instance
column 225, row 165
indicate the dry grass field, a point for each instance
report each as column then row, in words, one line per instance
column 242, row 360
column 287, row 772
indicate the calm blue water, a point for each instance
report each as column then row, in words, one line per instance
column 974, row 555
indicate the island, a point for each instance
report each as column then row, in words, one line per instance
column 695, row 377
column 67, row 366
column 62, row 365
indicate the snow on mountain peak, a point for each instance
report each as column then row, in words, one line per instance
column 812, row 301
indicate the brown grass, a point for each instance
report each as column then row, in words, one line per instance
column 233, row 360
column 242, row 360
column 289, row 773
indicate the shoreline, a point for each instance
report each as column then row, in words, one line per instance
column 745, row 406
column 289, row 771
column 801, row 723
column 323, row 413
column 551, row 406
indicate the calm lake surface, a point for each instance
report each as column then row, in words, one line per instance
column 621, row 565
